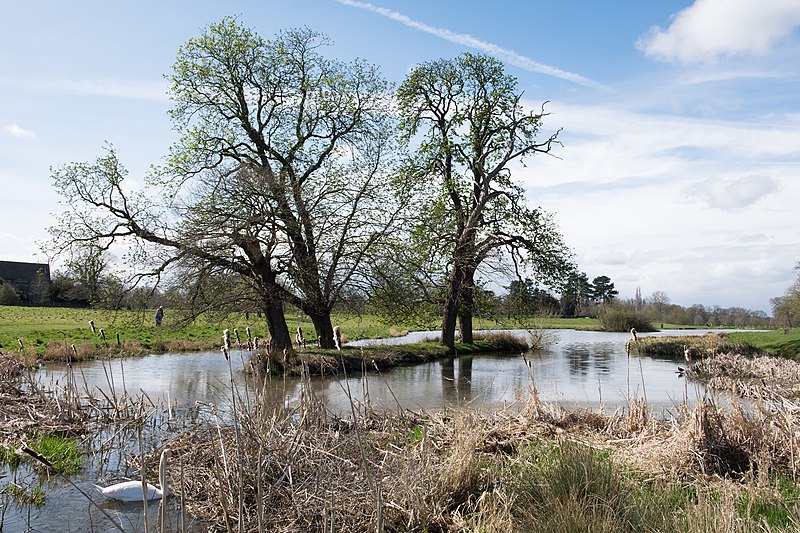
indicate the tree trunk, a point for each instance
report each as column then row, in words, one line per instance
column 466, row 306
column 465, row 325
column 278, row 329
column 450, row 312
column 324, row 328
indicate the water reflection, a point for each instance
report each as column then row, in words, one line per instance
column 456, row 379
column 578, row 368
column 585, row 359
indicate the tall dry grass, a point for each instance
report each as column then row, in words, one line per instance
column 541, row 468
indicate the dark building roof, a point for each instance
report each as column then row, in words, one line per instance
column 13, row 270
column 24, row 276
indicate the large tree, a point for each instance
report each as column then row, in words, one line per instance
column 786, row 308
column 279, row 176
column 576, row 295
column 467, row 121
column 603, row 290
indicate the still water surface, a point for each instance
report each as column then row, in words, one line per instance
column 578, row 368
column 582, row 368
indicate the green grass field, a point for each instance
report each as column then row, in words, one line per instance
column 775, row 341
column 52, row 330
column 58, row 328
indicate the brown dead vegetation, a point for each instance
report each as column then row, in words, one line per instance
column 309, row 471
column 751, row 377
column 26, row 408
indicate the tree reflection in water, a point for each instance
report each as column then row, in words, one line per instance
column 456, row 386
column 590, row 359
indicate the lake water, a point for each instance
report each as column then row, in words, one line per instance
column 578, row 368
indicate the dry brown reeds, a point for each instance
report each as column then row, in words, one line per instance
column 26, row 408
column 322, row 473
column 504, row 341
column 751, row 377
column 310, row 471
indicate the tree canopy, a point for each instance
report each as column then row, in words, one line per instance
column 467, row 124
column 286, row 186
column 281, row 174
column 786, row 308
column 603, row 290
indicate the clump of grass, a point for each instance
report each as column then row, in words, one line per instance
column 767, row 509
column 63, row 452
column 8, row 456
column 570, row 486
column 503, row 341
column 26, row 496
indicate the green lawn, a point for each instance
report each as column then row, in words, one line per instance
column 39, row 327
column 775, row 341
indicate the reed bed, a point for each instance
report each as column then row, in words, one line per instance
column 750, row 377
column 26, row 408
column 534, row 468
column 693, row 346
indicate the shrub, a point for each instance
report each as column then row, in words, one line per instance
column 623, row 317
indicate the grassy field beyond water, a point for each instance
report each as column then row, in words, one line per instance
column 49, row 331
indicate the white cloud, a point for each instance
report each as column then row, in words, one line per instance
column 732, row 193
column 121, row 89
column 621, row 194
column 747, row 238
column 711, row 29
column 17, row 131
column 509, row 56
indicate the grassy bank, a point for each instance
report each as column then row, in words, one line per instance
column 785, row 343
column 51, row 331
column 748, row 343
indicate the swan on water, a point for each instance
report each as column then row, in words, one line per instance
column 131, row 491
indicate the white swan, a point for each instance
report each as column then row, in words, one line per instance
column 131, row 491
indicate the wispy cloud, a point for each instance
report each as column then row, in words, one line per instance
column 116, row 88
column 129, row 89
column 17, row 131
column 504, row 54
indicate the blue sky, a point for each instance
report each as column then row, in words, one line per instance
column 680, row 170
